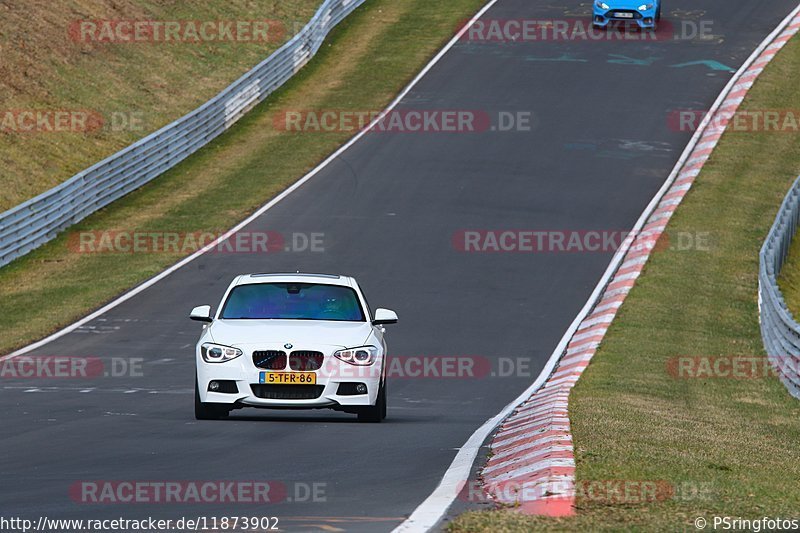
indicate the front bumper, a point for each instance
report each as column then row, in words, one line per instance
column 335, row 381
column 644, row 19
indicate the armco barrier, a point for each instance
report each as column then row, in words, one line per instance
column 780, row 332
column 38, row 220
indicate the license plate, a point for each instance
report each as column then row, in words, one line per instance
column 288, row 378
column 623, row 15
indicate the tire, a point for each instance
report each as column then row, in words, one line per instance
column 208, row 411
column 374, row 413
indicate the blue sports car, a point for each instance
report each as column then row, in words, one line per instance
column 646, row 13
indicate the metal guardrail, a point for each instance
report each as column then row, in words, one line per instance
column 779, row 331
column 40, row 219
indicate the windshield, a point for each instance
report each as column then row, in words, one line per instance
column 293, row 301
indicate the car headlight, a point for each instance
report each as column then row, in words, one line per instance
column 217, row 353
column 361, row 356
column 601, row 4
column 645, row 7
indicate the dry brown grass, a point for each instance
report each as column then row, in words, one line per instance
column 41, row 67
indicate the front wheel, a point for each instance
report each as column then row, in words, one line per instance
column 208, row 411
column 374, row 413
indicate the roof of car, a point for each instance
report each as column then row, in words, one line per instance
column 283, row 277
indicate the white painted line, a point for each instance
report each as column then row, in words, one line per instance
column 609, row 305
column 525, row 458
column 561, row 429
column 535, row 467
column 539, row 422
column 617, row 292
column 636, row 261
column 589, row 334
column 600, row 319
column 539, row 425
column 540, row 444
column 582, row 347
column 628, row 276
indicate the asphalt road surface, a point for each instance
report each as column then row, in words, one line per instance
column 599, row 146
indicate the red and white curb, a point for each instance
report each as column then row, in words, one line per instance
column 532, row 464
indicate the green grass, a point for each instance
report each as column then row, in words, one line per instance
column 41, row 67
column 737, row 440
column 370, row 57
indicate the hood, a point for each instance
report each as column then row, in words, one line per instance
column 627, row 4
column 297, row 332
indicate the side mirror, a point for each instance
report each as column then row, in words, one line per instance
column 201, row 313
column 384, row 316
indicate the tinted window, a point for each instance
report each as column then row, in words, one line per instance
column 293, row 301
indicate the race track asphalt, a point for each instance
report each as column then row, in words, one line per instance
column 599, row 148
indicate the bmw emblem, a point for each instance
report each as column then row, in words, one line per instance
column 288, row 346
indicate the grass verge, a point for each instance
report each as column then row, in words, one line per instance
column 136, row 87
column 368, row 59
column 727, row 446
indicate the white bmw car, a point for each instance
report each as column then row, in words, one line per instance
column 292, row 341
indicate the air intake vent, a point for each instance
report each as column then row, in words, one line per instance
column 287, row 392
column 306, row 361
column 270, row 359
